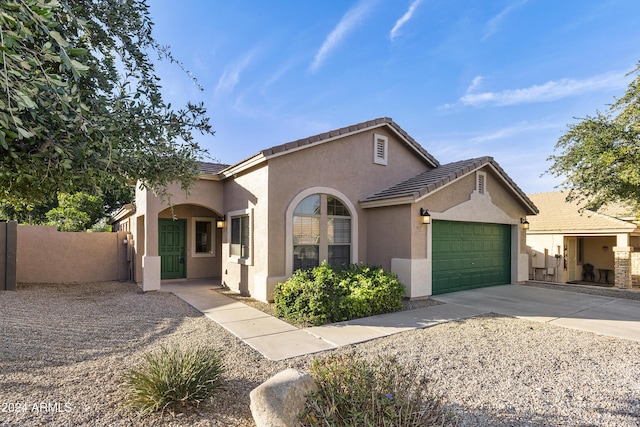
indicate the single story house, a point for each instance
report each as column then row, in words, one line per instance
column 366, row 193
column 563, row 239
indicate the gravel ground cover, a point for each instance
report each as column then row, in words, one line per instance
column 64, row 349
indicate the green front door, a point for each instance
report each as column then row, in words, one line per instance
column 469, row 255
column 172, row 248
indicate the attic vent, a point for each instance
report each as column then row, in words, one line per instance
column 380, row 149
column 481, row 184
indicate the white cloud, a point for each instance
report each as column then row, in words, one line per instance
column 513, row 130
column 404, row 19
column 494, row 23
column 549, row 91
column 348, row 22
column 231, row 76
column 474, row 84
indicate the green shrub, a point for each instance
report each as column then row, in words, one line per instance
column 356, row 392
column 310, row 297
column 372, row 290
column 325, row 294
column 172, row 379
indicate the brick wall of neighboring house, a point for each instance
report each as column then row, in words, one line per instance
column 635, row 269
column 45, row 255
column 627, row 267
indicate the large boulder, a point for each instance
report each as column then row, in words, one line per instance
column 278, row 401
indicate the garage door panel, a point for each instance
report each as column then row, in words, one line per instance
column 470, row 255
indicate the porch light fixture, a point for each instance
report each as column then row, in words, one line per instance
column 525, row 223
column 221, row 222
column 426, row 216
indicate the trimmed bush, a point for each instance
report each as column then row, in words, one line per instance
column 173, row 379
column 325, row 295
column 355, row 392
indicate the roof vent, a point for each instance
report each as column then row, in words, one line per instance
column 380, row 149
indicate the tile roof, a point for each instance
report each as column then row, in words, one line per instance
column 431, row 180
column 351, row 129
column 556, row 214
column 211, row 168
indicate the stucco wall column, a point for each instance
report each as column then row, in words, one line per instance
column 151, row 259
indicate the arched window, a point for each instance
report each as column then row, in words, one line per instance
column 321, row 231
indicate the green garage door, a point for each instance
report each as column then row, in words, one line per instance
column 469, row 255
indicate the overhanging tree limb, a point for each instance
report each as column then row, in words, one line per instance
column 598, row 156
column 82, row 102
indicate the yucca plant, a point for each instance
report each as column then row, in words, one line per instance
column 174, row 379
column 353, row 391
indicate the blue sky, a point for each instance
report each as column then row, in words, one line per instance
column 465, row 78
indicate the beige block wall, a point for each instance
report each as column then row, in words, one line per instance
column 45, row 255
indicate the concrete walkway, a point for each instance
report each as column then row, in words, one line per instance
column 278, row 340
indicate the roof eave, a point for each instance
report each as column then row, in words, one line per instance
column 394, row 201
column 583, row 231
column 389, row 123
column 249, row 163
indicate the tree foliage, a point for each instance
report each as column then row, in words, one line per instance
column 81, row 105
column 76, row 212
column 599, row 155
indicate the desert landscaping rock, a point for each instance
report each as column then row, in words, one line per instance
column 278, row 401
column 65, row 348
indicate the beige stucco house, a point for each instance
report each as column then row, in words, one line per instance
column 562, row 239
column 351, row 195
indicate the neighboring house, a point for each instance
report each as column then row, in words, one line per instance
column 351, row 195
column 562, row 239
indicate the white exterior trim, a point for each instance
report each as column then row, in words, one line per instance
column 232, row 258
column 212, row 252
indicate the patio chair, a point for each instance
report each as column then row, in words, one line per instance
column 587, row 272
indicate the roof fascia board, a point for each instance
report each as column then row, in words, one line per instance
column 322, row 141
column 410, row 144
column 243, row 166
column 210, row 177
column 497, row 172
column 528, row 204
column 388, row 202
column 333, row 138
column 601, row 232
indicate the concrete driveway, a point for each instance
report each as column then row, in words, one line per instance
column 615, row 317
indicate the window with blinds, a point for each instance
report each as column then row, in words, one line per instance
column 321, row 231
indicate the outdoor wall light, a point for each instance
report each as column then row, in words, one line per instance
column 525, row 223
column 221, row 222
column 426, row 216
column 605, row 248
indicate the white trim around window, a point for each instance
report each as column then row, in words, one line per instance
column 289, row 223
column 246, row 255
column 203, row 237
